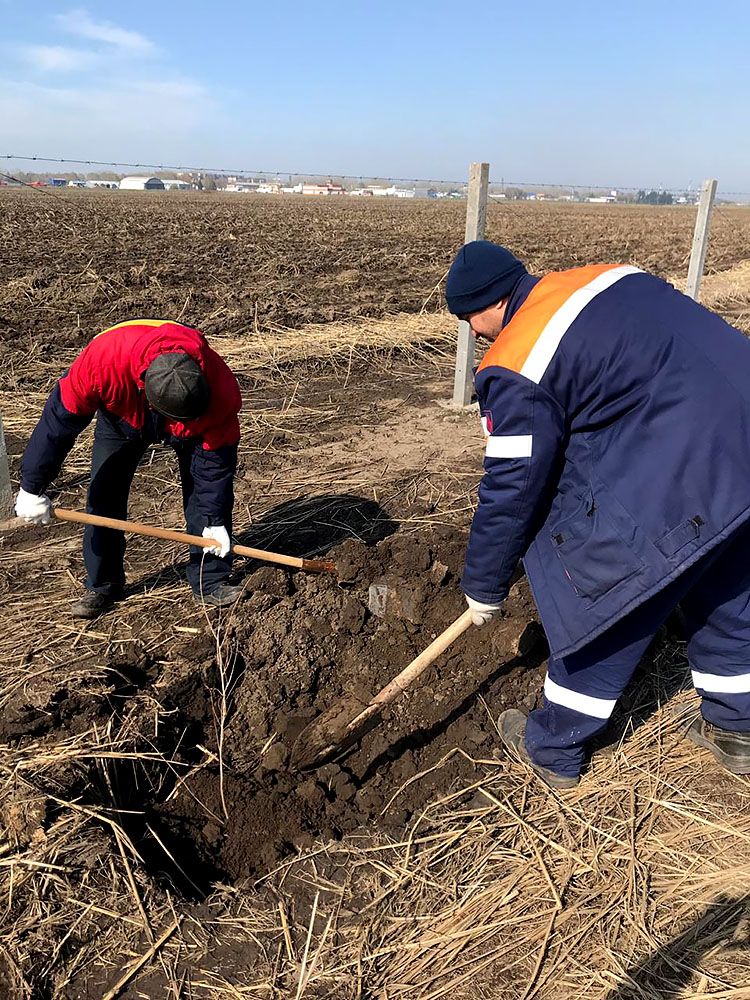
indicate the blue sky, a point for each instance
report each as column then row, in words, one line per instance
column 633, row 94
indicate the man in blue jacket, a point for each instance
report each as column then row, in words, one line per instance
column 617, row 466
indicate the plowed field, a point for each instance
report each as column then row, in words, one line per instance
column 76, row 262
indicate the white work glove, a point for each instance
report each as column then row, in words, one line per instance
column 482, row 613
column 221, row 537
column 32, row 508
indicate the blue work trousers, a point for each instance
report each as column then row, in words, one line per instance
column 581, row 690
column 115, row 457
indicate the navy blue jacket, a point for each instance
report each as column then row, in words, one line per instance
column 618, row 449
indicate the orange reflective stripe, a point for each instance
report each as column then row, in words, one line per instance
column 515, row 343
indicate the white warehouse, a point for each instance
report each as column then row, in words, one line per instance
column 141, row 184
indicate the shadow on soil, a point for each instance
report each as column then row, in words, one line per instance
column 312, row 525
column 723, row 929
column 531, row 659
column 132, row 791
column 305, row 526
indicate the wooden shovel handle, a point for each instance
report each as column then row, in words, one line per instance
column 80, row 517
column 401, row 682
column 409, row 674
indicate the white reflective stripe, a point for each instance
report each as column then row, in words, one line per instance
column 549, row 340
column 599, row 708
column 509, row 446
column 720, row 684
column 485, row 430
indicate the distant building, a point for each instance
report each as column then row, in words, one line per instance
column 392, row 192
column 175, row 184
column 96, row 182
column 323, row 189
column 58, row 182
column 244, row 187
column 76, row 184
column 141, row 184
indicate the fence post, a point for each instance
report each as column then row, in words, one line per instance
column 476, row 218
column 700, row 239
column 6, row 493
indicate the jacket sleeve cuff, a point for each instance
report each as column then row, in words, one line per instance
column 485, row 596
column 34, row 486
column 213, row 476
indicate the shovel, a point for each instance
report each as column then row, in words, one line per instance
column 343, row 725
column 309, row 565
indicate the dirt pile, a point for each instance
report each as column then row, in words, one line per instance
column 303, row 642
column 196, row 767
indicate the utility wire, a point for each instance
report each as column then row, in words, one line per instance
column 34, row 187
column 220, row 170
column 356, row 177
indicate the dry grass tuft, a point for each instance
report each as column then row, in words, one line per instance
column 630, row 886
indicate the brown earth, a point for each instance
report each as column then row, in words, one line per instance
column 305, row 643
column 138, row 691
column 297, row 645
column 75, row 262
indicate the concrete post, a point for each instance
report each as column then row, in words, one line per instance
column 476, row 218
column 700, row 239
column 6, row 492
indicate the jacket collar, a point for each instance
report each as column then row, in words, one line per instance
column 518, row 296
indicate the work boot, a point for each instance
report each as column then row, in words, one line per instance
column 732, row 750
column 91, row 605
column 512, row 728
column 224, row 595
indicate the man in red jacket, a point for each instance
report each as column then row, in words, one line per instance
column 146, row 381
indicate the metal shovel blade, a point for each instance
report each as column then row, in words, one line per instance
column 332, row 732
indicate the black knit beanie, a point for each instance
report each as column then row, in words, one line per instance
column 176, row 387
column 482, row 273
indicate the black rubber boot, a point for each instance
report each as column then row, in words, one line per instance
column 224, row 596
column 732, row 750
column 92, row 605
column 512, row 727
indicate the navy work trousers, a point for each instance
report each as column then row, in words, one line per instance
column 581, row 690
column 114, row 459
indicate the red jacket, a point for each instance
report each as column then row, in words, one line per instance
column 108, row 374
